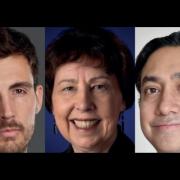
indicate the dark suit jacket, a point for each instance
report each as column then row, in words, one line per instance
column 122, row 144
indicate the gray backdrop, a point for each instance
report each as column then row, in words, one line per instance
column 37, row 37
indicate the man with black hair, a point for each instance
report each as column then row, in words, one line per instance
column 158, row 82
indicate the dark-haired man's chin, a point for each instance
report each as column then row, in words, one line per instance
column 168, row 150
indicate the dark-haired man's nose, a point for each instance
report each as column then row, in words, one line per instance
column 168, row 103
column 6, row 107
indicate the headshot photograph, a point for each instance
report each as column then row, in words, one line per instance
column 21, row 89
column 89, row 90
column 157, row 94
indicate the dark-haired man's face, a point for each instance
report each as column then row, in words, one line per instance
column 160, row 99
column 18, row 103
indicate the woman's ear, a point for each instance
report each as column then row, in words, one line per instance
column 123, row 106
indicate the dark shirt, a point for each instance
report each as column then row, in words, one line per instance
column 122, row 144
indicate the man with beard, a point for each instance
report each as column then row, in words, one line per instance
column 158, row 81
column 20, row 95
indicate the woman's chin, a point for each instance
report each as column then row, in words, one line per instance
column 85, row 145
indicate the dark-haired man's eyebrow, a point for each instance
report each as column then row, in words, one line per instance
column 21, row 84
column 175, row 75
column 150, row 79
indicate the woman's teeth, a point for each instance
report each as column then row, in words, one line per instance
column 85, row 124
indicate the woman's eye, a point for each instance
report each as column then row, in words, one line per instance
column 68, row 89
column 99, row 87
column 151, row 91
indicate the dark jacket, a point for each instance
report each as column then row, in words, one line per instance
column 122, row 144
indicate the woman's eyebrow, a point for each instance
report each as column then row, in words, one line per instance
column 99, row 77
column 67, row 80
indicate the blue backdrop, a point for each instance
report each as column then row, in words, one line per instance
column 55, row 142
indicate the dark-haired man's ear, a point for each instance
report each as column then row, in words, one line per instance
column 139, row 101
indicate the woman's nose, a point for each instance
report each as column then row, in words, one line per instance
column 84, row 101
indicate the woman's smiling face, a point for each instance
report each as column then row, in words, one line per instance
column 86, row 103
